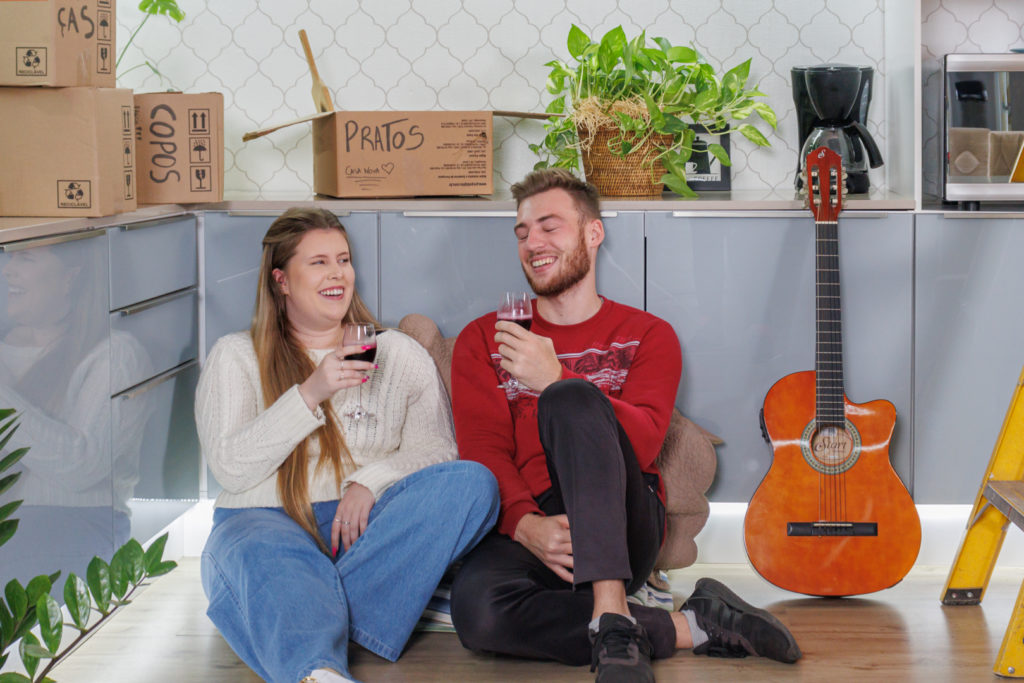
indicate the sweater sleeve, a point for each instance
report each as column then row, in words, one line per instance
column 484, row 427
column 243, row 442
column 644, row 408
column 426, row 436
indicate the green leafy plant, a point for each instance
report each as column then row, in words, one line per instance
column 649, row 92
column 149, row 8
column 8, row 426
column 106, row 588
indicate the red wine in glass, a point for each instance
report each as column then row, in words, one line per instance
column 360, row 334
column 368, row 355
column 515, row 307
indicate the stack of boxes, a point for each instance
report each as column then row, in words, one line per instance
column 71, row 143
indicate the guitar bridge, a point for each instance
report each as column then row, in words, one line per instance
column 832, row 529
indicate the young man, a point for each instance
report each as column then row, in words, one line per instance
column 572, row 444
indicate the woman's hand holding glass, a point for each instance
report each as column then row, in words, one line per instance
column 334, row 373
column 352, row 516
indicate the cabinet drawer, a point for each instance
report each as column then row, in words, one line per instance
column 152, row 258
column 164, row 331
column 155, row 442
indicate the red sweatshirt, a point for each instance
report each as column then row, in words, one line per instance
column 632, row 356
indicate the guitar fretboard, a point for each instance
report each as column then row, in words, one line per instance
column 828, row 349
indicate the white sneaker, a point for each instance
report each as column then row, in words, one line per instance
column 325, row 676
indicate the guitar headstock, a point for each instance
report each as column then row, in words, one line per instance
column 824, row 184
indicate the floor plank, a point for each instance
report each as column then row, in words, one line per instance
column 904, row 634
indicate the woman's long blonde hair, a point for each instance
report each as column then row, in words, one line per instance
column 284, row 362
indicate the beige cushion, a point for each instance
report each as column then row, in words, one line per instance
column 687, row 460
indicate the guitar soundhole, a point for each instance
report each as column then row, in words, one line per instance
column 831, row 449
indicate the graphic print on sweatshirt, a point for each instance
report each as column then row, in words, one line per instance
column 606, row 368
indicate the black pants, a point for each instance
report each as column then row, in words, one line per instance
column 505, row 600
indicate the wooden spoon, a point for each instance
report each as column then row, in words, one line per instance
column 321, row 95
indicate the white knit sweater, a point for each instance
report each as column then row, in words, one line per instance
column 245, row 442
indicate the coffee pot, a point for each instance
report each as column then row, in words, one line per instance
column 832, row 106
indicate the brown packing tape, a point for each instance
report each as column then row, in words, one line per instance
column 252, row 135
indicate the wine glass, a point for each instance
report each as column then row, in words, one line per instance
column 515, row 307
column 364, row 335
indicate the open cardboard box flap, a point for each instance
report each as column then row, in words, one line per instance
column 252, row 135
column 401, row 153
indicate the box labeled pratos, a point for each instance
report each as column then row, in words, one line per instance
column 180, row 147
column 57, row 43
column 66, row 152
column 400, row 153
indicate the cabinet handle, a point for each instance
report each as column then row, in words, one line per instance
column 143, row 387
column 459, row 214
column 478, row 214
column 48, row 241
column 156, row 301
column 785, row 213
column 152, row 224
column 981, row 215
column 275, row 214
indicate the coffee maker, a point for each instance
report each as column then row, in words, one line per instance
column 832, row 106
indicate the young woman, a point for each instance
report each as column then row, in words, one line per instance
column 329, row 528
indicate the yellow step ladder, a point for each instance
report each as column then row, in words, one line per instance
column 1000, row 500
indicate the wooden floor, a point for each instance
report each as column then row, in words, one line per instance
column 902, row 634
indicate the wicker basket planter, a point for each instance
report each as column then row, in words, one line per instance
column 637, row 174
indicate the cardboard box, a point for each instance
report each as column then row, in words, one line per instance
column 400, row 153
column 57, row 43
column 66, row 152
column 179, row 149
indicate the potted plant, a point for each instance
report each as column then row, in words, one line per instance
column 632, row 110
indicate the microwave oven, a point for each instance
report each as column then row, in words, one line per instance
column 982, row 128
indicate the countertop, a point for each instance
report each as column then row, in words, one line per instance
column 744, row 201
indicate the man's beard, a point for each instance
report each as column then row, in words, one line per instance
column 577, row 265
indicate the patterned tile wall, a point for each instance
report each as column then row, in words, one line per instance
column 958, row 26
column 473, row 54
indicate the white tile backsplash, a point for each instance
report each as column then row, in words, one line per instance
column 483, row 54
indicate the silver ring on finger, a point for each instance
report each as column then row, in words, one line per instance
column 346, row 523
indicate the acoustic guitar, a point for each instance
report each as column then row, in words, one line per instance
column 831, row 517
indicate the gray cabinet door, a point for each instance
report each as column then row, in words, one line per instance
column 454, row 266
column 967, row 347
column 55, row 370
column 233, row 246
column 739, row 292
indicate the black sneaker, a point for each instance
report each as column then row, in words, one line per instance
column 737, row 629
column 622, row 651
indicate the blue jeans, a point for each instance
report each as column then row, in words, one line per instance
column 286, row 608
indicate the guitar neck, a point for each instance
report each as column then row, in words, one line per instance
column 830, row 407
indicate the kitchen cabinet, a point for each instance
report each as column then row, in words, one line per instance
column 56, row 371
column 739, row 291
column 967, row 351
column 453, row 266
column 154, row 329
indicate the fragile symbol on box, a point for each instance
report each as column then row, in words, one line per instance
column 103, row 20
column 201, row 181
column 74, row 194
column 129, row 186
column 31, row 61
column 103, row 58
column 198, row 150
column 198, row 121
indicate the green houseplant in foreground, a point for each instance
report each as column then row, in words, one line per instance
column 650, row 97
column 105, row 588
